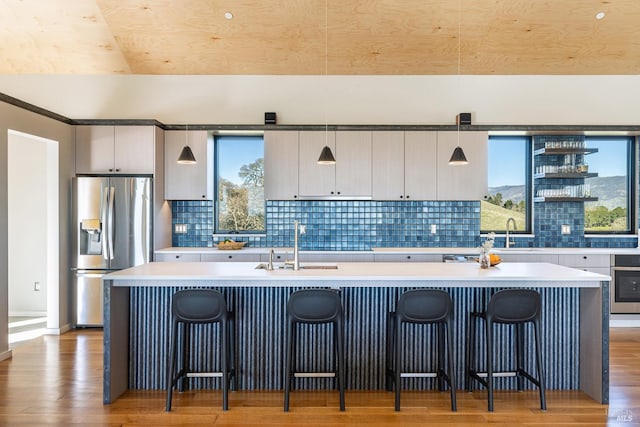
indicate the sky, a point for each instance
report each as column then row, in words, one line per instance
column 506, row 159
column 235, row 151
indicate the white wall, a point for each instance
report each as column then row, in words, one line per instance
column 33, row 222
column 13, row 118
column 431, row 100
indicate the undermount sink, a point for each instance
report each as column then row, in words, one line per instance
column 263, row 266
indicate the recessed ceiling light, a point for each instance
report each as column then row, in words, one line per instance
column 228, row 15
column 600, row 15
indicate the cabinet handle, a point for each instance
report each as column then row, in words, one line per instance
column 110, row 170
column 230, row 256
column 332, row 192
column 177, row 256
column 408, row 256
column 204, row 196
column 407, row 197
column 338, row 192
column 117, row 170
column 295, row 196
column 584, row 257
column 401, row 196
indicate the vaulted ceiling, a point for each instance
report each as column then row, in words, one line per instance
column 315, row 37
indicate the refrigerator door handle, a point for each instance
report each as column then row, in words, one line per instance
column 112, row 191
column 104, row 221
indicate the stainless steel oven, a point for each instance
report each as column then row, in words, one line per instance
column 625, row 284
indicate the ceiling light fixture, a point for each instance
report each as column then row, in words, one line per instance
column 600, row 15
column 458, row 157
column 326, row 156
column 228, row 15
column 186, row 155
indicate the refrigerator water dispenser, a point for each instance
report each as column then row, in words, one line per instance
column 90, row 237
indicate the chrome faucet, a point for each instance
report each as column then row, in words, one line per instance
column 270, row 265
column 297, row 229
column 508, row 242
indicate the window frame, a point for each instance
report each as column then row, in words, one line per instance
column 632, row 180
column 528, row 191
column 216, row 207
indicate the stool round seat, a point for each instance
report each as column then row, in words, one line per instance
column 516, row 307
column 427, row 307
column 314, row 306
column 197, row 307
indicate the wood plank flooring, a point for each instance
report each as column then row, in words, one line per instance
column 58, row 381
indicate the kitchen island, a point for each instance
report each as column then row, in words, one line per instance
column 575, row 319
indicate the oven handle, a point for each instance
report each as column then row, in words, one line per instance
column 625, row 269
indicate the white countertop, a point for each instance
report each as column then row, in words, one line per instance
column 431, row 250
column 363, row 274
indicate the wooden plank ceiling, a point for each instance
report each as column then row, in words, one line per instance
column 292, row 37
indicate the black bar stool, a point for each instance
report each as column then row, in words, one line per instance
column 314, row 306
column 200, row 306
column 514, row 307
column 425, row 307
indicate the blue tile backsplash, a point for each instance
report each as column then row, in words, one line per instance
column 362, row 225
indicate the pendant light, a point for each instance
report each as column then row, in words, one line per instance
column 186, row 155
column 326, row 156
column 458, row 157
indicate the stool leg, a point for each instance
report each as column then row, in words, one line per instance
column 233, row 370
column 184, row 364
column 489, row 333
column 450, row 368
column 440, row 331
column 397, row 361
column 543, row 401
column 224, row 363
column 470, row 351
column 389, row 355
column 519, row 344
column 173, row 350
column 339, row 333
column 288, row 362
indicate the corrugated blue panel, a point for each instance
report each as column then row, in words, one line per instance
column 260, row 320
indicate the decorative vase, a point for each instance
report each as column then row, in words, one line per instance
column 485, row 261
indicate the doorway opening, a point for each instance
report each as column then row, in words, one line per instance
column 33, row 236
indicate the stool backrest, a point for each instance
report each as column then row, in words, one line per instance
column 514, row 306
column 424, row 306
column 314, row 306
column 199, row 306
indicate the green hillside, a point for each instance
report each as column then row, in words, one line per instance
column 494, row 218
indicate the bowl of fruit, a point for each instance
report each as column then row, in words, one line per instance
column 230, row 245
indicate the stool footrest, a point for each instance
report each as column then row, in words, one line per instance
column 497, row 374
column 204, row 375
column 418, row 375
column 314, row 374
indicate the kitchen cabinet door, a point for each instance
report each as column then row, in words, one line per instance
column 353, row 164
column 462, row 182
column 188, row 182
column 281, row 165
column 173, row 257
column 420, row 165
column 388, row 165
column 134, row 149
column 316, row 180
column 94, row 149
column 115, row 149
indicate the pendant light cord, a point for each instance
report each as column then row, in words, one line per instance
column 326, row 71
column 459, row 54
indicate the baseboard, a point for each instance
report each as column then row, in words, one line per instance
column 624, row 321
column 27, row 314
column 6, row 355
column 59, row 331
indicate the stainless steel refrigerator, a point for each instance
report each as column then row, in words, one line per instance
column 113, row 230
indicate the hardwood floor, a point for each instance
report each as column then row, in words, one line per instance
column 58, row 381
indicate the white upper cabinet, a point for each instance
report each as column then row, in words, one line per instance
column 388, row 165
column 404, row 165
column 462, row 182
column 281, row 165
column 115, row 149
column 188, row 182
column 350, row 177
column 316, row 180
column 420, row 168
column 353, row 164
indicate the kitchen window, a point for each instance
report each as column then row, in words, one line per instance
column 239, row 166
column 509, row 178
column 613, row 212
